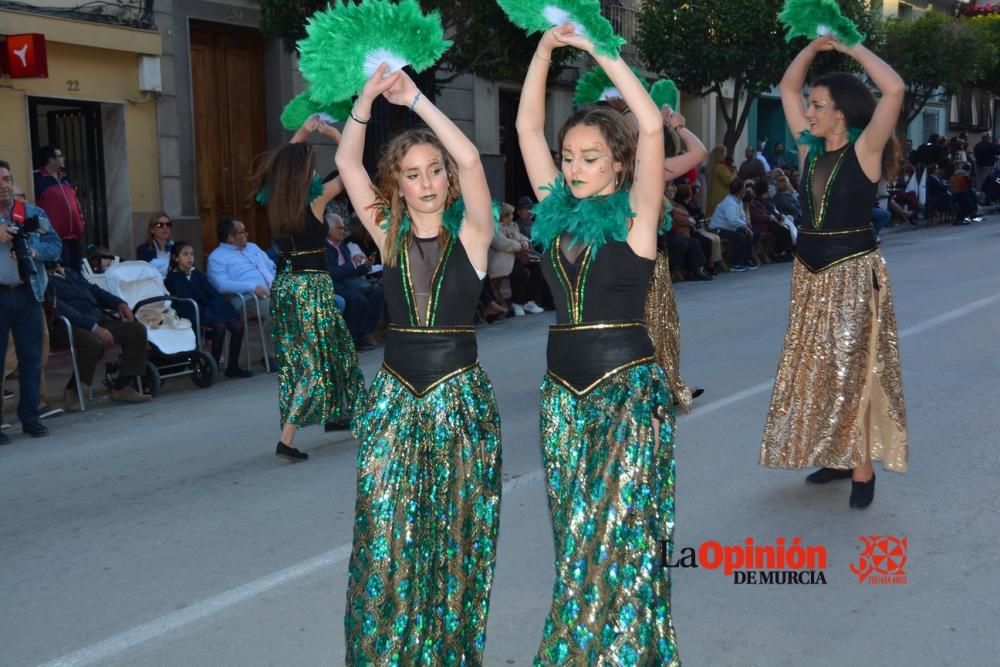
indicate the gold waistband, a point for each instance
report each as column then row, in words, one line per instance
column 587, row 326
column 432, row 330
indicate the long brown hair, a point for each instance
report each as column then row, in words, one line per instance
column 389, row 204
column 715, row 157
column 285, row 175
column 853, row 99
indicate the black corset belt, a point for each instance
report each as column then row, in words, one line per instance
column 424, row 357
column 581, row 356
column 304, row 261
column 819, row 249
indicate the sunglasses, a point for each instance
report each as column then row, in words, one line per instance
column 161, row 225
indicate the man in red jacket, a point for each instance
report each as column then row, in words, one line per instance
column 55, row 194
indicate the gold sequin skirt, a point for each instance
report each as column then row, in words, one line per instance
column 425, row 523
column 664, row 327
column 318, row 374
column 609, row 473
column 838, row 394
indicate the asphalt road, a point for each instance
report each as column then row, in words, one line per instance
column 169, row 533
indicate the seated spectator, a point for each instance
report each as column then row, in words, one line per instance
column 765, row 217
column 216, row 313
column 683, row 249
column 363, row 299
column 711, row 244
column 86, row 306
column 730, row 223
column 785, row 200
column 960, row 185
column 938, row 196
column 511, row 255
column 156, row 249
column 240, row 267
column 100, row 259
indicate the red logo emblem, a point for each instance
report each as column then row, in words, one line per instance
column 24, row 56
column 882, row 560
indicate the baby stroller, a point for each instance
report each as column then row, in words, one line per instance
column 175, row 347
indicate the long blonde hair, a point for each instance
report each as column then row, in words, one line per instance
column 715, row 156
column 389, row 204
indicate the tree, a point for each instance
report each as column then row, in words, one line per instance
column 934, row 54
column 702, row 44
column 988, row 30
column 485, row 42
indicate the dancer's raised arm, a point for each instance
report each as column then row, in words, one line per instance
column 695, row 151
column 352, row 148
column 477, row 232
column 879, row 131
column 791, row 90
column 334, row 186
column 531, row 114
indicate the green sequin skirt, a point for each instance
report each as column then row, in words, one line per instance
column 425, row 526
column 318, row 375
column 611, row 495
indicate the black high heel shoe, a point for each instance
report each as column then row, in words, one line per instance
column 862, row 493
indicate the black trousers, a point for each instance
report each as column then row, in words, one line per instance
column 527, row 284
column 685, row 253
column 217, row 332
column 739, row 244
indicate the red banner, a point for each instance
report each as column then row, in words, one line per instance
column 24, row 56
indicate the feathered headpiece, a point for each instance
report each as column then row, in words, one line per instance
column 595, row 86
column 816, row 18
column 665, row 94
column 346, row 43
column 584, row 15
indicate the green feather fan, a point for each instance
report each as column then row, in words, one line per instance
column 816, row 18
column 346, row 43
column 665, row 94
column 584, row 15
column 302, row 107
column 595, row 86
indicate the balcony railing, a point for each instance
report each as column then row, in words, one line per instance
column 625, row 21
column 130, row 13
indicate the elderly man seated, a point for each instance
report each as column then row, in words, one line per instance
column 363, row 299
column 87, row 308
column 238, row 266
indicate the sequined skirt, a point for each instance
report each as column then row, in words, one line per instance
column 426, row 520
column 318, row 375
column 838, row 394
column 664, row 327
column 610, row 483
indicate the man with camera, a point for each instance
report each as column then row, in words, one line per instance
column 26, row 242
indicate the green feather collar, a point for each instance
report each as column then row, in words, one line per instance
column 817, row 145
column 452, row 220
column 592, row 221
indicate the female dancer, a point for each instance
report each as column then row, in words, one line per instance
column 838, row 395
column 429, row 479
column 606, row 418
column 318, row 375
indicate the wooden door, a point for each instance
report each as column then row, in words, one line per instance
column 227, row 74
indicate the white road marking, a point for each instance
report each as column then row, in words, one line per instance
column 102, row 651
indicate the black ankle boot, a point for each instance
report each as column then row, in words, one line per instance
column 862, row 493
column 290, row 453
column 824, row 475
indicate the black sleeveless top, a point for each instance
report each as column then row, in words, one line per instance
column 431, row 296
column 600, row 301
column 608, row 284
column 305, row 250
column 454, row 286
column 837, row 200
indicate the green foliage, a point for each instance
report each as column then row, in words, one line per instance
column 934, row 53
column 987, row 28
column 486, row 43
column 702, row 44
